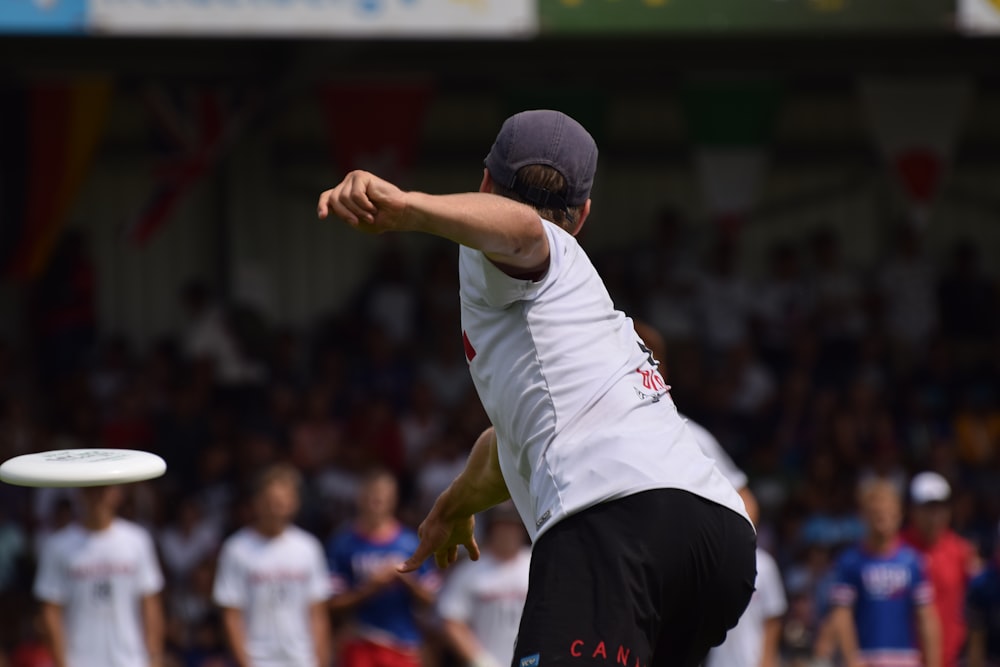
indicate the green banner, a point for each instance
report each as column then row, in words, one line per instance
column 639, row 16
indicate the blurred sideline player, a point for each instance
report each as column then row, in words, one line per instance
column 983, row 613
column 99, row 584
column 380, row 601
column 272, row 583
column 951, row 561
column 755, row 641
column 882, row 602
column 481, row 603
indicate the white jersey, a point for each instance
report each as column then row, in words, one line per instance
column 488, row 596
column 713, row 450
column 274, row 582
column 99, row 578
column 744, row 645
column 581, row 414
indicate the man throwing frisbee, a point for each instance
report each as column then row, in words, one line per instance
column 642, row 552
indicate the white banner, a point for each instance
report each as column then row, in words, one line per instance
column 345, row 18
column 979, row 16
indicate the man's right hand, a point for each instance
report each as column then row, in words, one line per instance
column 441, row 536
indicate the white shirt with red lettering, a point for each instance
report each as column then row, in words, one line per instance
column 274, row 582
column 488, row 596
column 581, row 414
column 744, row 644
column 99, row 579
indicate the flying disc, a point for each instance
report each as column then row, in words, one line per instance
column 82, row 467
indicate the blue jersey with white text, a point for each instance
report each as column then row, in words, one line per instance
column 884, row 591
column 386, row 618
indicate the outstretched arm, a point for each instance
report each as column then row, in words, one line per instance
column 451, row 521
column 509, row 233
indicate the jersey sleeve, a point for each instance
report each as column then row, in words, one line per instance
column 922, row 591
column 483, row 282
column 150, row 574
column 319, row 577
column 229, row 589
column 844, row 589
column 772, row 593
column 338, row 558
column 51, row 582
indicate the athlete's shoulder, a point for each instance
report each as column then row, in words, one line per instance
column 130, row 530
column 66, row 538
column 300, row 536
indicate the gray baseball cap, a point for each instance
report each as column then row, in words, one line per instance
column 547, row 137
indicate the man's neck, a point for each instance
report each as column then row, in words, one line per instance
column 98, row 522
column 377, row 527
column 268, row 529
column 880, row 544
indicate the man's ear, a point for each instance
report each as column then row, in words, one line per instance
column 584, row 212
column 487, row 184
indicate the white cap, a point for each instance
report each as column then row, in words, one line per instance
column 929, row 487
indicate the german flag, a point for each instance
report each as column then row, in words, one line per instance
column 43, row 167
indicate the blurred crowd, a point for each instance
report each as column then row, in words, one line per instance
column 815, row 376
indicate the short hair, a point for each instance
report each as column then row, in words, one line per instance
column 547, row 178
column 278, row 473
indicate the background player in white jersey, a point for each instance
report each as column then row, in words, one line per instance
column 272, row 582
column 99, row 585
column 756, row 639
column 585, row 439
column 481, row 603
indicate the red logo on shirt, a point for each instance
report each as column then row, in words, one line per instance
column 470, row 352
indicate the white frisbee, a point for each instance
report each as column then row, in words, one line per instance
column 82, row 467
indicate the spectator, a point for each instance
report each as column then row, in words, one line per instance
column 379, row 601
column 906, row 287
column 882, row 601
column 951, row 561
column 724, row 300
column 756, row 639
column 187, row 540
column 984, row 614
column 967, row 299
column 481, row 602
column 781, row 306
column 272, row 583
column 99, row 585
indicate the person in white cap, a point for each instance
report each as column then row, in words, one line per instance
column 951, row 561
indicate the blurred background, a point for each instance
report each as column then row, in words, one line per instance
column 801, row 196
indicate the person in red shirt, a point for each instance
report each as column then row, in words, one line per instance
column 951, row 561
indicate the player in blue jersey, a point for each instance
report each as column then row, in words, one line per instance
column 380, row 601
column 983, row 615
column 882, row 613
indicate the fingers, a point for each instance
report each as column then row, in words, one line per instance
column 473, row 548
column 349, row 201
column 420, row 554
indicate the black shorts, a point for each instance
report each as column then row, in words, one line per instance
column 651, row 580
